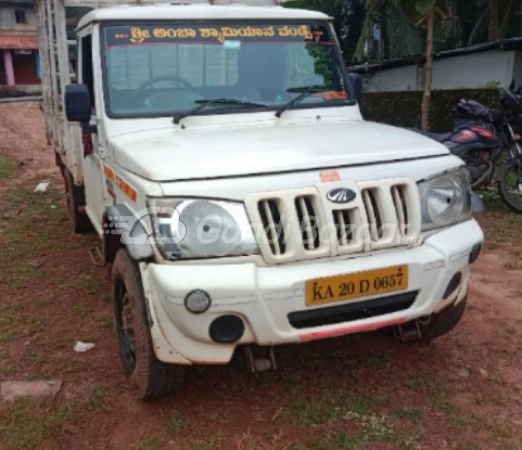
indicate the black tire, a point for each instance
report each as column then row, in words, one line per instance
column 441, row 323
column 151, row 378
column 74, row 197
column 513, row 166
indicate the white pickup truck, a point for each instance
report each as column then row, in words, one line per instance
column 241, row 200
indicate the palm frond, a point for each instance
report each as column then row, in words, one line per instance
column 478, row 28
column 506, row 19
column 372, row 8
column 405, row 39
column 359, row 53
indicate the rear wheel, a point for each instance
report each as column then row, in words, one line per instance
column 150, row 377
column 510, row 184
column 74, row 196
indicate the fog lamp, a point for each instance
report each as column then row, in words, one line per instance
column 227, row 329
column 197, row 301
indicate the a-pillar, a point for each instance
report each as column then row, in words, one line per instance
column 8, row 67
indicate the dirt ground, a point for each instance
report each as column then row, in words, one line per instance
column 366, row 391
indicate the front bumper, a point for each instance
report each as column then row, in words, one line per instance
column 263, row 297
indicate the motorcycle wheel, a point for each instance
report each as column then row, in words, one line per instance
column 510, row 184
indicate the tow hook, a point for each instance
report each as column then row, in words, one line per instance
column 259, row 359
column 409, row 332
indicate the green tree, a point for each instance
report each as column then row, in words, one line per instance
column 425, row 13
column 72, row 16
column 375, row 13
column 492, row 20
column 348, row 16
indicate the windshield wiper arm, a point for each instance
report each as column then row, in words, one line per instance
column 216, row 101
column 305, row 92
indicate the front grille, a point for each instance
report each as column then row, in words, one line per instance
column 393, row 205
column 303, row 224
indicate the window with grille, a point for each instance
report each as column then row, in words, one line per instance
column 20, row 17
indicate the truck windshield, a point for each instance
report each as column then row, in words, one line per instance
column 161, row 69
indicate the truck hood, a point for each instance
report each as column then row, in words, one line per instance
column 174, row 154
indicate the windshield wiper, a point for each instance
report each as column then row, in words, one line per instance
column 305, row 92
column 216, row 101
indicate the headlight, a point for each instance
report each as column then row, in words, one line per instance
column 446, row 199
column 201, row 228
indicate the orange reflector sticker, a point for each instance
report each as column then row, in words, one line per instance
column 125, row 187
column 333, row 95
column 330, row 175
column 109, row 173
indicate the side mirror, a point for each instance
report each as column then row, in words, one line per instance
column 77, row 103
column 357, row 85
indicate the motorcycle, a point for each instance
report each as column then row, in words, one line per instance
column 508, row 123
column 476, row 145
column 486, row 139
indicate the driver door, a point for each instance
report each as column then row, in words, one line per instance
column 92, row 158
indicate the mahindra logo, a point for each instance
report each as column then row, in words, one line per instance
column 341, row 195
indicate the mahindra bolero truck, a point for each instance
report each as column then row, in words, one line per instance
column 241, row 200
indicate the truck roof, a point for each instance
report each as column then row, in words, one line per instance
column 197, row 12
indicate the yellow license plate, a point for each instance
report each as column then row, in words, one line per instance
column 362, row 284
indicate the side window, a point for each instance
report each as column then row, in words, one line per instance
column 87, row 75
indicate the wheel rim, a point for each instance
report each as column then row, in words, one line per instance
column 126, row 328
column 514, row 185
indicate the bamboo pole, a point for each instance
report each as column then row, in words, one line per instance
column 428, row 72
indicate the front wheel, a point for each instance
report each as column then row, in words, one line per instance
column 510, row 184
column 151, row 377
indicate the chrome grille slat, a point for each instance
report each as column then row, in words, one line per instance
column 273, row 237
column 339, row 217
column 304, row 215
column 373, row 222
column 344, row 221
column 401, row 208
